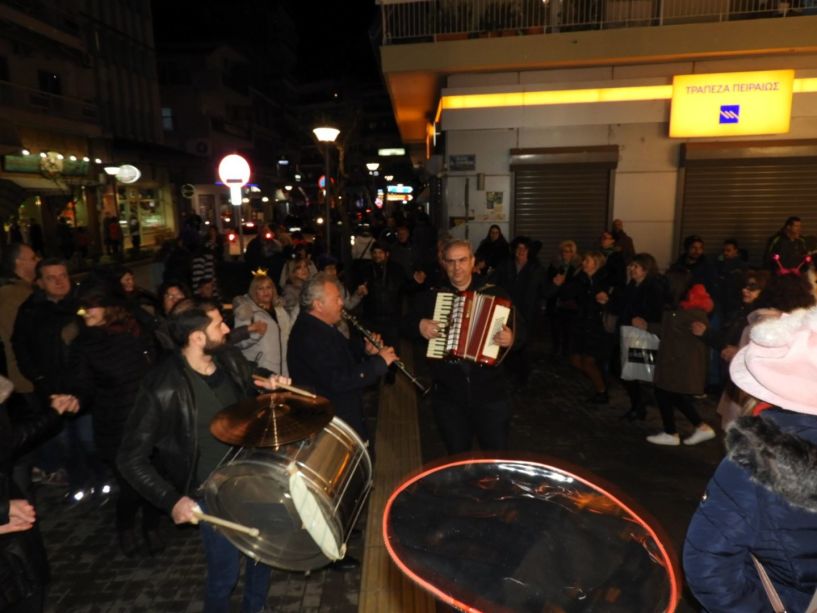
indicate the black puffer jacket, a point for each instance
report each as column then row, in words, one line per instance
column 23, row 562
column 106, row 366
column 158, row 451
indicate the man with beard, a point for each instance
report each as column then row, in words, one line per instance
column 168, row 451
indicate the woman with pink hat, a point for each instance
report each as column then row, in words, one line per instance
column 753, row 539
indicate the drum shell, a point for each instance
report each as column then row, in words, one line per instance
column 253, row 489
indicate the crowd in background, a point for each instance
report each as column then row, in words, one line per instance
column 95, row 340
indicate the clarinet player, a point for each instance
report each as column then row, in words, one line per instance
column 469, row 400
column 319, row 356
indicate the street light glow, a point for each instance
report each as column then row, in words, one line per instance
column 372, row 166
column 111, row 170
column 326, row 134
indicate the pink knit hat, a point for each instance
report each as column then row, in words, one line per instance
column 779, row 365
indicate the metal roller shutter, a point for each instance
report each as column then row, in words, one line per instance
column 747, row 199
column 559, row 202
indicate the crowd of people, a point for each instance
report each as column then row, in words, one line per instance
column 115, row 384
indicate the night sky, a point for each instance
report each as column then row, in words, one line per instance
column 333, row 36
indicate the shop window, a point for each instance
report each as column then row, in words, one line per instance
column 145, row 204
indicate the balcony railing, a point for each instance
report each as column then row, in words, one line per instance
column 436, row 20
column 36, row 101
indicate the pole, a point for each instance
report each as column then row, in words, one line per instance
column 240, row 233
column 328, row 220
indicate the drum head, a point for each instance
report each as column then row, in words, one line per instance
column 303, row 498
column 508, row 535
column 256, row 494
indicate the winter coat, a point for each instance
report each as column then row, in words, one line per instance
column 106, row 365
column 23, row 562
column 495, row 253
column 268, row 350
column 40, row 340
column 681, row 363
column 526, row 286
column 645, row 300
column 386, row 284
column 702, row 271
column 588, row 335
column 761, row 501
column 319, row 356
column 12, row 296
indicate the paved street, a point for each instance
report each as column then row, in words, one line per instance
column 551, row 419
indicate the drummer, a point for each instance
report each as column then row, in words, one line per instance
column 168, row 451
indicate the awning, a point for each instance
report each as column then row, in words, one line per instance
column 41, row 185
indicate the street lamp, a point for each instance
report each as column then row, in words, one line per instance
column 124, row 173
column 327, row 135
column 234, row 172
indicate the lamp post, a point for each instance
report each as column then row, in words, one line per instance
column 327, row 135
column 124, row 173
column 234, row 172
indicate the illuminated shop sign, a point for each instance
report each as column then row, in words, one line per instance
column 731, row 104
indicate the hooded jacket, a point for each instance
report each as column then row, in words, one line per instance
column 762, row 500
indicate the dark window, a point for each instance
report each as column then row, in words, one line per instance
column 167, row 119
column 50, row 82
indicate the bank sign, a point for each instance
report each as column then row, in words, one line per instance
column 731, row 104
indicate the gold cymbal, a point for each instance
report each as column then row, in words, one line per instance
column 271, row 420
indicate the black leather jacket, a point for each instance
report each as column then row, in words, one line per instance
column 23, row 562
column 159, row 448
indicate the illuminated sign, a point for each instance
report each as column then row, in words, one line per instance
column 731, row 104
column 399, row 189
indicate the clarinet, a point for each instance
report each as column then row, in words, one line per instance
column 378, row 345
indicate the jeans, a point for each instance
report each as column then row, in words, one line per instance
column 223, row 568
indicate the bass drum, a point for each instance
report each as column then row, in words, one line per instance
column 304, row 498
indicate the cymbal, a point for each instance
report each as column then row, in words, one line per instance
column 271, row 420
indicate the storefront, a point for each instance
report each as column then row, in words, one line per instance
column 744, row 160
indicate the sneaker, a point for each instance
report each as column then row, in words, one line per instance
column 664, row 438
column 702, row 433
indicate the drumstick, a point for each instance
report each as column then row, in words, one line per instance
column 212, row 519
column 290, row 388
column 297, row 390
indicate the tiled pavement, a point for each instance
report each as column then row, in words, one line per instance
column 551, row 418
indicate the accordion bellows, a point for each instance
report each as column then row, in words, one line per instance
column 470, row 321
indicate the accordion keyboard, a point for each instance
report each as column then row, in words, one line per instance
column 443, row 307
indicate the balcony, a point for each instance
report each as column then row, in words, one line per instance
column 31, row 100
column 440, row 20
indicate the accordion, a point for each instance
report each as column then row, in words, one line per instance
column 470, row 321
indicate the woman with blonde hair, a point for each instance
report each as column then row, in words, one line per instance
column 297, row 273
column 261, row 303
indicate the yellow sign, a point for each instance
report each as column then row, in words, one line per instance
column 731, row 104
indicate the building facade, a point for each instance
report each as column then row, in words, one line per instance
column 554, row 134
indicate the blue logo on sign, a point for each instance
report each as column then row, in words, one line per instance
column 730, row 113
